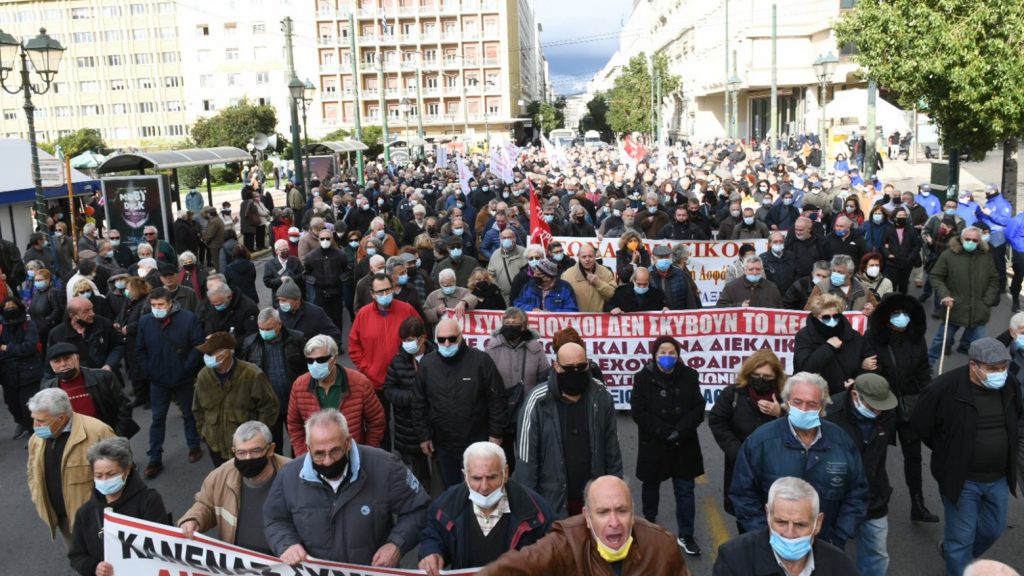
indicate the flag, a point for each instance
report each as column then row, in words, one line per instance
column 464, row 176
column 540, row 232
column 442, row 156
column 634, row 149
column 549, row 151
column 386, row 29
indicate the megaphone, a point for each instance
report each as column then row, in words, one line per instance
column 272, row 141
column 260, row 141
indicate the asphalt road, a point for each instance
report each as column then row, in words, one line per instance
column 26, row 548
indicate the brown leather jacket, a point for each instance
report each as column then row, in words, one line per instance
column 569, row 549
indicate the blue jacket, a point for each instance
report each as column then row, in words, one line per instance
column 832, row 465
column 967, row 212
column 560, row 299
column 492, row 240
column 874, row 236
column 1014, row 232
column 168, row 354
column 1000, row 213
column 447, row 529
column 931, row 203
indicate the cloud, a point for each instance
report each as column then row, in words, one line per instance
column 593, row 23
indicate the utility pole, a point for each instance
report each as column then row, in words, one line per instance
column 419, row 98
column 773, row 121
column 657, row 109
column 300, row 177
column 735, row 99
column 725, row 77
column 354, row 59
column 869, row 138
column 382, row 88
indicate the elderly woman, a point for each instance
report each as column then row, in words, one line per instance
column 116, row 485
column 27, row 288
column 449, row 298
column 545, row 291
column 876, row 228
column 191, row 274
column 136, row 292
column 829, row 346
column 85, row 288
column 872, row 276
column 745, row 405
column 20, row 363
column 481, row 285
column 668, row 408
column 400, row 389
column 631, row 253
column 533, row 255
column 48, row 303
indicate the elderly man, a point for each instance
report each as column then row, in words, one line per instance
column 462, row 264
column 185, row 296
column 476, row 521
column 753, row 289
column 652, row 218
column 306, row 318
column 93, row 392
column 805, row 246
column 327, row 384
column 779, row 265
column 606, row 538
column 786, row 446
column 789, row 541
column 355, row 504
column 506, row 262
column 99, row 345
column 636, row 296
column 326, row 266
column 567, row 433
column 376, row 264
column 233, row 495
column 404, row 292
column 390, row 247
column 749, row 227
column 226, row 309
column 799, row 292
column 968, row 417
column 280, row 266
column 842, row 283
column 966, row 282
column 373, row 340
column 448, row 299
column 460, row 399
column 229, row 392
column 58, row 471
column 843, row 240
column 162, row 249
column 669, row 274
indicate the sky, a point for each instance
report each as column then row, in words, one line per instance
column 579, row 37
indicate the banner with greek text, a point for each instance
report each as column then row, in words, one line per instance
column 714, row 342
column 141, row 548
column 708, row 258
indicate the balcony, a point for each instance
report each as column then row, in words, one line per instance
column 470, row 61
column 367, row 11
column 490, row 33
column 325, row 14
column 428, row 37
column 328, row 41
column 452, row 91
column 329, row 68
column 493, row 88
column 470, row 6
column 450, row 8
column 331, row 96
column 431, row 63
column 392, row 92
column 490, row 61
column 368, row 39
column 470, row 34
column 410, row 38
column 489, row 6
column 369, row 93
column 431, row 91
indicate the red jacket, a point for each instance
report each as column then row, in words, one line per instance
column 359, row 405
column 373, row 340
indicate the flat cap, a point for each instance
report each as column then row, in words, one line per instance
column 875, row 391
column 60, row 349
column 988, row 351
column 662, row 251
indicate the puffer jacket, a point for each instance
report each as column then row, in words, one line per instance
column 359, row 405
column 400, row 389
column 732, row 419
column 540, row 459
column 902, row 356
column 970, row 279
column 678, row 287
column 874, row 447
column 221, row 407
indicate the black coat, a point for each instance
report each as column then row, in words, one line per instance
column 852, row 245
column 873, row 448
column 812, row 353
column 732, row 419
column 47, row 310
column 624, row 262
column 101, row 345
column 326, row 267
column 663, row 404
column 128, row 318
column 490, row 298
column 805, row 252
column 945, row 418
column 137, row 500
column 21, row 365
column 239, row 318
column 751, row 554
column 627, row 300
column 253, row 351
column 113, row 407
column 902, row 356
column 781, row 270
column 902, row 255
column 400, row 391
column 241, row 274
column 272, row 274
column 310, row 320
column 682, row 231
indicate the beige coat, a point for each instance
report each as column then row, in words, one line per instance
column 591, row 298
column 76, row 474
column 437, row 297
column 504, row 266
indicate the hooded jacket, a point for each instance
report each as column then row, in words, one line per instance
column 813, row 353
column 902, row 356
column 971, row 279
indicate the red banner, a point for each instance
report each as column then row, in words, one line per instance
column 540, row 232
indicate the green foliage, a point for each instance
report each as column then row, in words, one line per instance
column 226, row 175
column 337, row 135
column 629, row 100
column 596, row 117
column 234, row 125
column 82, row 140
column 961, row 58
column 373, row 136
column 49, row 147
column 546, row 116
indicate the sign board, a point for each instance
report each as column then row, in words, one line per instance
column 51, row 171
column 134, row 202
column 400, row 155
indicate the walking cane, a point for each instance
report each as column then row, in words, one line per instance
column 945, row 334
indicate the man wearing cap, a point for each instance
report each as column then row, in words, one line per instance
column 283, row 264
column 462, row 265
column 186, row 297
column 162, row 250
column 968, row 417
column 931, row 203
column 673, row 280
column 867, row 413
column 546, row 291
column 305, row 318
column 92, row 392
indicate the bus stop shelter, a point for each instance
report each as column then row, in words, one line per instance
column 139, row 162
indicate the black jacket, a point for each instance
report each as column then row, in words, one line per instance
column 813, row 353
column 945, row 418
column 137, row 500
column 902, row 255
column 310, row 320
column 459, row 400
column 128, row 318
column 272, row 274
column 11, row 263
column 400, row 390
column 682, row 231
column 327, row 268
column 751, row 554
column 490, row 297
column 902, row 356
column 254, row 347
column 101, row 345
column 47, row 310
column 241, row 274
column 21, row 363
column 734, row 416
column 239, row 318
column 852, row 245
column 112, row 405
column 624, row 262
column 664, row 405
column 798, row 293
column 627, row 300
column 805, row 252
column 873, row 448
column 781, row 270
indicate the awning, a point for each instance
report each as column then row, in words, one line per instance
column 17, row 185
column 341, row 146
column 168, row 159
column 411, row 141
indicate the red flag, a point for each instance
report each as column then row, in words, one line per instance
column 540, row 232
column 634, row 149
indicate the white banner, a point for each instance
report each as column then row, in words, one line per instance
column 708, row 258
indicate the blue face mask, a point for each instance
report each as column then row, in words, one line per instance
column 790, row 549
column 900, row 320
column 995, row 380
column 110, row 485
column 457, row 231
column 877, row 218
column 787, row 201
column 667, row 363
column 640, row 291
column 285, row 307
column 371, row 251
column 220, row 307
column 43, row 432
column 838, row 279
column 385, row 300
column 318, row 370
column 40, row 284
column 354, row 244
column 506, row 244
column 970, row 245
column 159, row 313
column 831, row 322
column 558, row 257
column 448, row 290
column 754, row 278
column 210, row 361
column 748, row 220
column 456, row 253
column 864, row 410
column 1020, row 341
column 841, row 233
column 119, row 285
column 403, row 279
column 31, row 274
column 804, row 420
column 411, row 347
column 951, row 212
column 663, row 264
column 448, row 350
column 268, row 334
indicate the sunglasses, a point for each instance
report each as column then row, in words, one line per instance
column 320, row 360
column 583, row 367
column 447, row 339
column 830, row 317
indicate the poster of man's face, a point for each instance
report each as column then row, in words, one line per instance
column 134, row 202
column 322, row 168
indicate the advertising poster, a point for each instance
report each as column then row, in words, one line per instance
column 322, row 168
column 134, row 202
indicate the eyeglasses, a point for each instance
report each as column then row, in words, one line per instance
column 582, row 367
column 254, row 453
column 335, row 454
column 150, row 234
column 383, row 292
column 320, row 360
column 447, row 339
column 534, row 259
column 829, row 317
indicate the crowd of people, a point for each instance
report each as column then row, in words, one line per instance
column 524, row 441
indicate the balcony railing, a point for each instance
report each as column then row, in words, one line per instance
column 329, row 68
column 326, row 96
column 490, row 61
column 328, row 41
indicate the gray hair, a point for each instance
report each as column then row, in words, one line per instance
column 248, row 430
column 969, row 229
column 89, row 228
column 1017, row 321
column 794, row 490
column 268, row 314
column 807, row 378
column 316, row 222
column 219, row 289
column 755, row 259
column 652, row 196
column 326, row 417
column 216, row 278
column 483, row 450
column 377, row 260
column 104, row 244
column 115, row 449
column 53, row 401
column 446, row 274
column 392, row 263
column 680, row 253
column 321, row 341
column 513, row 312
column 821, row 265
column 843, row 260
column 533, row 249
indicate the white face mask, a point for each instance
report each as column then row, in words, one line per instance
column 489, row 501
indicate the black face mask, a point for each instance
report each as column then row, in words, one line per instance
column 253, row 467
column 332, row 471
column 573, row 383
column 512, row 333
column 67, row 375
column 762, row 385
column 901, row 222
column 12, row 314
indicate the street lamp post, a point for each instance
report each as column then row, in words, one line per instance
column 734, row 88
column 404, row 106
column 302, row 94
column 824, row 68
column 45, row 53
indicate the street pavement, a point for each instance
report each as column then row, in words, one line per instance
column 26, row 547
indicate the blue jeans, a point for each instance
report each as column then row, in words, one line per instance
column 970, row 335
column 974, row 523
column 686, row 504
column 161, row 397
column 872, row 554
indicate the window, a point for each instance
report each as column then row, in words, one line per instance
column 234, row 101
column 122, row 133
column 62, row 111
column 142, row 58
column 81, row 13
column 230, row 28
column 60, row 87
column 24, row 16
column 165, row 8
column 82, row 37
column 431, row 81
column 137, row 9
column 175, row 130
column 169, row 57
column 149, row 131
column 168, row 33
column 146, row 107
column 172, row 81
column 114, row 60
column 206, row 80
column 53, row 15
column 262, row 78
column 41, row 112
column 231, row 53
column 85, row 62
column 91, row 110
column 113, row 35
column 433, row 109
column 203, row 56
column 202, row 30
column 140, row 34
column 119, row 109
column 144, row 83
column 173, row 106
column 259, row 28
column 209, row 106
column 111, row 11
column 233, row 79
column 120, row 84
column 11, row 114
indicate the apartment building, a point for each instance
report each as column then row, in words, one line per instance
column 461, row 67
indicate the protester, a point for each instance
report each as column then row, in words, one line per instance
column 306, row 318
column 373, row 339
column 227, row 309
column 400, row 391
column 752, row 289
column 669, row 274
column 546, row 291
column 448, row 299
column 592, row 283
column 92, row 392
column 20, row 363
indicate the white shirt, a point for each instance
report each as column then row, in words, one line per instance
column 489, row 521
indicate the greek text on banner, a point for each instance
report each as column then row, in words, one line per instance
column 714, row 342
